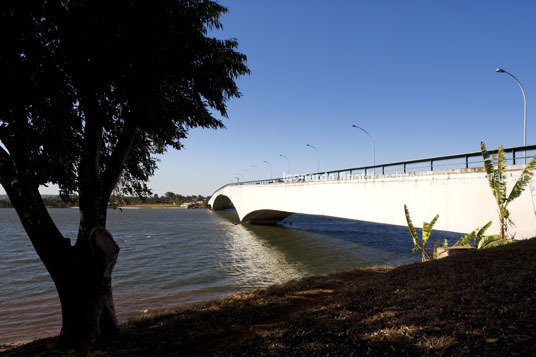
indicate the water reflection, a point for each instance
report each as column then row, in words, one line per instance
column 254, row 262
column 319, row 245
column 173, row 257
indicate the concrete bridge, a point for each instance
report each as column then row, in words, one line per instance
column 461, row 196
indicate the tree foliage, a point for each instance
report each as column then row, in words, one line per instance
column 95, row 72
column 90, row 92
column 426, row 232
column 495, row 166
column 478, row 240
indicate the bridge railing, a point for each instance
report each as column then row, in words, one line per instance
column 514, row 155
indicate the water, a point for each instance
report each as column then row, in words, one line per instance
column 173, row 257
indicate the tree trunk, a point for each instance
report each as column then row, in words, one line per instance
column 502, row 224
column 85, row 291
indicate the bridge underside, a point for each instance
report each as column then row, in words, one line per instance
column 221, row 203
column 266, row 217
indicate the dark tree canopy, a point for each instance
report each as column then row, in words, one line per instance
column 90, row 91
column 146, row 67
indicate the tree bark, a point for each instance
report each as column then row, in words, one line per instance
column 82, row 273
column 85, row 292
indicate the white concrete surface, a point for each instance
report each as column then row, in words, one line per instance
column 461, row 197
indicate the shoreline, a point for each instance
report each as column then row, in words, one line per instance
column 145, row 206
column 477, row 303
column 158, row 206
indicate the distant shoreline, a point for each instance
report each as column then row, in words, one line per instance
column 157, row 206
column 139, row 206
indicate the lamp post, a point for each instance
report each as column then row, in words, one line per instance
column 258, row 171
column 266, row 162
column 500, row 70
column 237, row 179
column 317, row 154
column 247, row 172
column 288, row 162
column 372, row 142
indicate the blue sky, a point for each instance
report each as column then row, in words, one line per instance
column 419, row 76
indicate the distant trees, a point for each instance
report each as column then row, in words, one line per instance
column 170, row 196
column 72, row 200
column 61, row 202
column 50, row 201
column 90, row 92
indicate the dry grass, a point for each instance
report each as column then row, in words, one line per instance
column 478, row 303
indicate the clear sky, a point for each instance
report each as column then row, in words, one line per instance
column 419, row 76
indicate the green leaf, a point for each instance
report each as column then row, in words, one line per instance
column 522, row 182
column 465, row 241
column 501, row 159
column 505, row 213
column 483, row 229
column 445, row 243
column 436, row 245
column 500, row 182
column 480, row 234
column 412, row 230
column 434, row 222
column 496, row 242
column 427, row 230
column 487, row 241
column 495, row 176
column 487, row 161
column 425, row 235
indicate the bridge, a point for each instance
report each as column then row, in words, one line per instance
column 456, row 187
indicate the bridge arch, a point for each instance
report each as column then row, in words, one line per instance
column 222, row 202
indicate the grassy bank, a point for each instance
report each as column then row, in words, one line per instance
column 479, row 303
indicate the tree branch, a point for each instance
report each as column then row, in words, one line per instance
column 7, row 169
column 93, row 130
column 90, row 184
column 116, row 161
column 25, row 197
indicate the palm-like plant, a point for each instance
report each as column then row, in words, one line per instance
column 426, row 231
column 495, row 167
column 480, row 241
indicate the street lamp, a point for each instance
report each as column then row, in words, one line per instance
column 266, row 162
column 288, row 161
column 500, row 70
column 258, row 171
column 237, row 179
column 372, row 142
column 247, row 174
column 317, row 154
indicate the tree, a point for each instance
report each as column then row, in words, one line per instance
column 170, row 196
column 426, row 232
column 90, row 91
column 495, row 168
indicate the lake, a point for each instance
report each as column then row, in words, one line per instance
column 173, row 257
